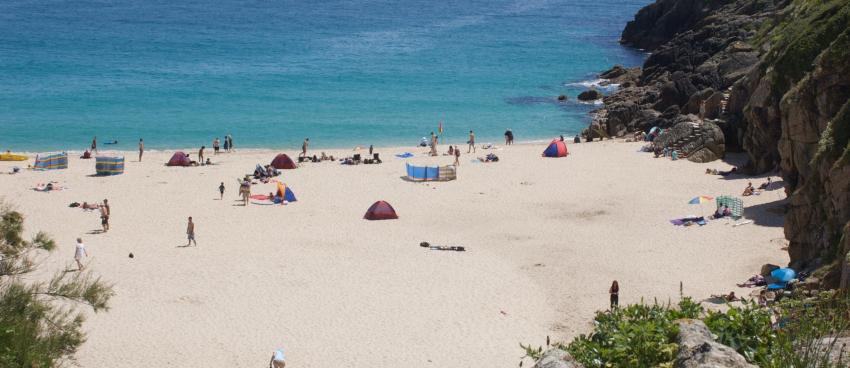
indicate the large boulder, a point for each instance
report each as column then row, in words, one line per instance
column 589, row 95
column 697, row 349
column 557, row 358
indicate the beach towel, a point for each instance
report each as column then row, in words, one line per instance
column 404, row 155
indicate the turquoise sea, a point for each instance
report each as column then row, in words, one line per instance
column 270, row 72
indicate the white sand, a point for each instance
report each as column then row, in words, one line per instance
column 545, row 239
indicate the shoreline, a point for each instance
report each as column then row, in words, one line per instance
column 208, row 150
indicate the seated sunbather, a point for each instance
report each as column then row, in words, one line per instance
column 748, row 191
column 765, row 185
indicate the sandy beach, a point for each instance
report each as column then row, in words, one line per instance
column 544, row 238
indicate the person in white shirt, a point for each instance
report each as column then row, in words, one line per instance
column 79, row 253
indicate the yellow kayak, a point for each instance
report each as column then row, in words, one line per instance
column 12, row 157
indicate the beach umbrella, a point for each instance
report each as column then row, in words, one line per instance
column 783, row 274
column 701, row 200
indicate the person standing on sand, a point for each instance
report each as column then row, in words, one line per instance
column 94, row 145
column 471, row 142
column 509, row 137
column 304, row 147
column 221, row 191
column 141, row 148
column 216, row 143
column 190, row 232
column 226, row 144
column 104, row 215
column 79, row 253
column 230, row 140
column 615, row 294
column 457, row 156
column 201, row 155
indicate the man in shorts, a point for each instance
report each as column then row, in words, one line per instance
column 190, row 232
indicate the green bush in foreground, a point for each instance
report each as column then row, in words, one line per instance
column 800, row 335
column 38, row 328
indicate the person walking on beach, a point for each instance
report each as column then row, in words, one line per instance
column 201, row 155
column 190, row 232
column 79, row 253
column 141, row 148
column 226, row 144
column 457, row 156
column 104, row 215
column 94, row 145
column 615, row 294
column 471, row 142
column 216, row 143
column 304, row 147
column 221, row 191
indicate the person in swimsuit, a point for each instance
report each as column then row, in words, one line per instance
column 221, row 190
column 304, row 147
column 94, row 145
column 201, row 154
column 216, row 146
column 471, row 142
column 104, row 215
column 278, row 359
column 457, row 156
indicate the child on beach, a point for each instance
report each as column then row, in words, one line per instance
column 190, row 232
column 79, row 253
column 221, row 190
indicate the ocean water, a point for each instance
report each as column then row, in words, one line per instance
column 271, row 72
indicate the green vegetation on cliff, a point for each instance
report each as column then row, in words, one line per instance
column 802, row 35
column 795, row 333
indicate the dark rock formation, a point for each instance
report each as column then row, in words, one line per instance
column 697, row 349
column 589, row 95
column 557, row 358
column 774, row 75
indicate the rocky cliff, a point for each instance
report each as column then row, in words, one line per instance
column 775, row 76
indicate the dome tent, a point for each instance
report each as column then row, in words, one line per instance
column 179, row 159
column 380, row 210
column 557, row 148
column 283, row 162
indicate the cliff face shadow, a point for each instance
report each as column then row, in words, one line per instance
column 770, row 214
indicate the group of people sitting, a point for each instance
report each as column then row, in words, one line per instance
column 357, row 159
column 722, row 211
column 263, row 173
column 314, row 158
